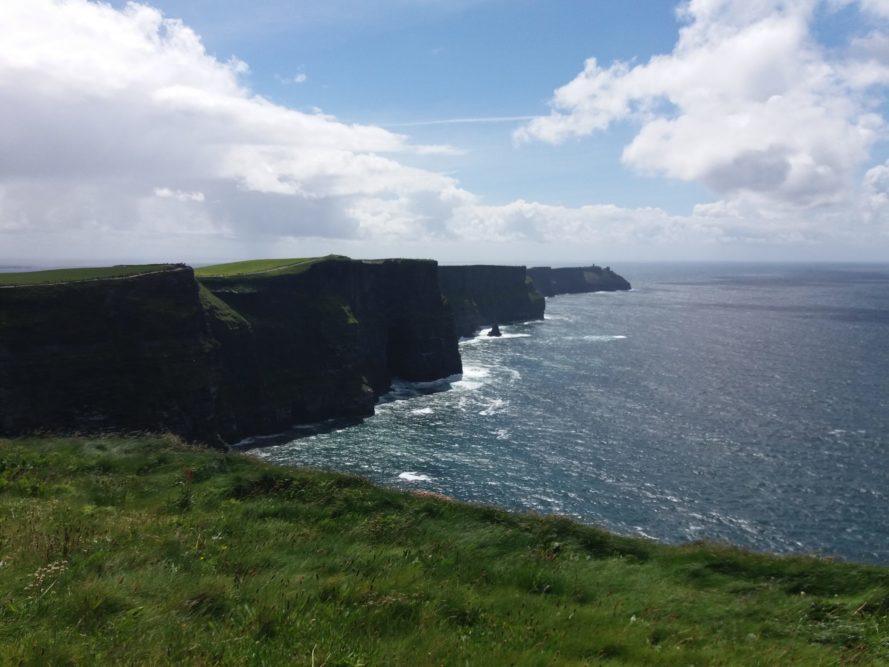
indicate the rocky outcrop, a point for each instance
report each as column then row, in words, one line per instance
column 223, row 358
column 482, row 295
column 575, row 280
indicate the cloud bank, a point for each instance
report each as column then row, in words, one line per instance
column 118, row 129
column 749, row 104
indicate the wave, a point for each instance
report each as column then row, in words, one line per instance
column 484, row 337
column 414, row 477
column 602, row 338
column 403, row 389
column 473, row 377
column 495, row 406
column 422, row 411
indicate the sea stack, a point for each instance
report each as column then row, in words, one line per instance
column 495, row 331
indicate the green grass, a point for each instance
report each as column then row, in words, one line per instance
column 260, row 267
column 220, row 310
column 80, row 275
column 145, row 551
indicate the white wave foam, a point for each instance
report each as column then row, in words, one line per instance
column 502, row 434
column 476, row 372
column 484, row 337
column 473, row 377
column 422, row 411
column 414, row 477
column 603, row 338
column 495, row 406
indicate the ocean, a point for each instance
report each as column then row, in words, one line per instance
column 744, row 404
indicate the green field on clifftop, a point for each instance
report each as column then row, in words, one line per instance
column 255, row 267
column 78, row 275
column 146, row 551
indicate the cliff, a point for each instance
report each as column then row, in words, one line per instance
column 574, row 280
column 482, row 295
column 97, row 351
column 327, row 337
column 249, row 349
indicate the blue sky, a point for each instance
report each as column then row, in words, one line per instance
column 465, row 130
column 430, row 61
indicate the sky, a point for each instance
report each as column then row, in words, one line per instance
column 498, row 131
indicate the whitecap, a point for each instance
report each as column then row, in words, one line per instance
column 414, row 477
column 473, row 377
column 507, row 335
column 422, row 411
column 497, row 405
column 603, row 338
column 484, row 337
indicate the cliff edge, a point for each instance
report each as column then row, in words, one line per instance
column 576, row 280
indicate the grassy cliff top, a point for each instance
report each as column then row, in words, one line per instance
column 55, row 276
column 258, row 267
column 144, row 551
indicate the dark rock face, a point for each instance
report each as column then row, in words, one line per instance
column 481, row 295
column 495, row 332
column 575, row 280
column 226, row 358
column 325, row 343
column 128, row 354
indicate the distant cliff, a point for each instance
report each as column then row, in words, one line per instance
column 239, row 353
column 482, row 295
column 574, row 280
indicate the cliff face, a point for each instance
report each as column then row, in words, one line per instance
column 132, row 353
column 325, row 342
column 227, row 358
column 574, row 280
column 482, row 295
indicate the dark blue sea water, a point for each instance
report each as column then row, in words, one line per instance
column 744, row 404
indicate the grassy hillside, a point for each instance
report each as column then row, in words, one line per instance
column 144, row 551
column 257, row 267
column 79, row 275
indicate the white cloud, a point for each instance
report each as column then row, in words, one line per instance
column 302, row 77
column 98, row 106
column 119, row 133
column 878, row 7
column 178, row 195
column 747, row 103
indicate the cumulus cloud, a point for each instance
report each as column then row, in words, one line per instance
column 747, row 103
column 115, row 119
column 118, row 130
